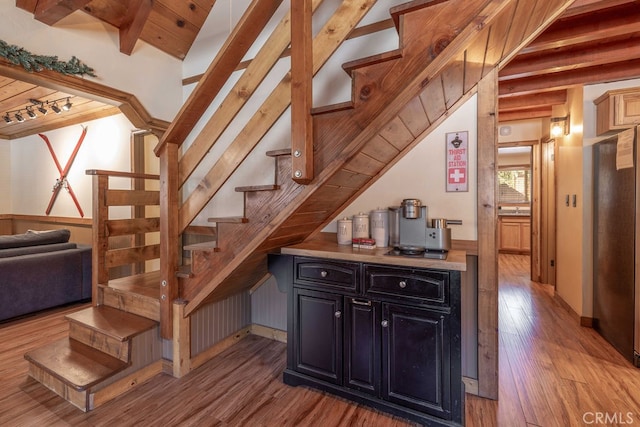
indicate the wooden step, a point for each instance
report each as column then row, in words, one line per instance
column 138, row 294
column 70, row 368
column 229, row 220
column 268, row 187
column 351, row 66
column 279, row 152
column 404, row 8
column 108, row 329
column 325, row 109
column 202, row 246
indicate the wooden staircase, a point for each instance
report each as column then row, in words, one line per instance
column 106, row 353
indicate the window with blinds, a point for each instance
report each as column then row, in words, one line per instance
column 514, row 185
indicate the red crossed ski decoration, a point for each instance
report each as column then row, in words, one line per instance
column 62, row 181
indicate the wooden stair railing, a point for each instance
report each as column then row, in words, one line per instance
column 105, row 196
column 398, row 99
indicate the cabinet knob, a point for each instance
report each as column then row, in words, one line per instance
column 402, row 284
column 338, row 314
column 323, row 273
column 384, row 323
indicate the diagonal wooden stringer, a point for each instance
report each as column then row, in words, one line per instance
column 62, row 181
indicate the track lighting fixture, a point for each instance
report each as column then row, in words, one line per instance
column 40, row 106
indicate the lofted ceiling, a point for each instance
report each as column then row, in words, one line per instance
column 594, row 41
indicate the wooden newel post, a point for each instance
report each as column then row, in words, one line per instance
column 301, row 91
column 169, row 236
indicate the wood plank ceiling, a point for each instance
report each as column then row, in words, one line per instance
column 595, row 41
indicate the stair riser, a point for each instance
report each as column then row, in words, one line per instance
column 131, row 303
column 115, row 348
column 78, row 399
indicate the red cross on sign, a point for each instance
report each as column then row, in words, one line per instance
column 62, row 182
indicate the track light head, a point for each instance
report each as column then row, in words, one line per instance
column 19, row 117
column 7, row 119
column 32, row 114
column 67, row 106
column 55, row 108
column 43, row 110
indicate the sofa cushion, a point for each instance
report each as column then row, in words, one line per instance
column 34, row 239
column 29, row 250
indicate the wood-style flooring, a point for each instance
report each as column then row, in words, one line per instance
column 552, row 373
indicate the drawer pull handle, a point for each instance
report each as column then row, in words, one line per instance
column 338, row 314
column 402, row 284
column 323, row 273
column 384, row 323
column 355, row 301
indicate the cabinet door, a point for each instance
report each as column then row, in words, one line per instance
column 318, row 334
column 416, row 359
column 362, row 345
column 509, row 235
column 525, row 237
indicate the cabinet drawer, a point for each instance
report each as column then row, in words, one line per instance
column 420, row 285
column 312, row 272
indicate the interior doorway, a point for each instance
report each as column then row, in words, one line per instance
column 526, row 204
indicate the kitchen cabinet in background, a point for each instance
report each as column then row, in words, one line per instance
column 514, row 234
column 617, row 110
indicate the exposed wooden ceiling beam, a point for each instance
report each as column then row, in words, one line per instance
column 52, row 11
column 611, row 23
column 535, row 113
column 133, row 23
column 537, row 100
column 568, row 59
column 565, row 79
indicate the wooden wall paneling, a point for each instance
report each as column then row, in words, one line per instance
column 380, row 149
column 474, row 59
column 414, row 117
column 301, row 91
column 498, row 36
column 329, row 38
column 519, row 24
column 397, row 133
column 347, row 178
column 453, row 80
column 432, row 98
column 363, row 164
column 487, row 237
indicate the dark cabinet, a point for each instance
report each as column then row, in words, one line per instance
column 381, row 335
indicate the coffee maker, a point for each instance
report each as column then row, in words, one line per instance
column 411, row 234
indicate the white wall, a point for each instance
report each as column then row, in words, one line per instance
column 421, row 175
column 33, row 172
column 96, row 44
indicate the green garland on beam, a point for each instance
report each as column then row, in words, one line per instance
column 31, row 62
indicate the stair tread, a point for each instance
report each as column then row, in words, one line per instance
column 229, row 219
column 401, row 9
column 279, row 152
column 269, row 187
column 202, row 246
column 370, row 60
column 76, row 364
column 145, row 284
column 342, row 106
column 112, row 322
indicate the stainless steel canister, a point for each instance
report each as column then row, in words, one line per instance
column 394, row 226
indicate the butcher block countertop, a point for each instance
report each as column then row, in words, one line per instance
column 326, row 246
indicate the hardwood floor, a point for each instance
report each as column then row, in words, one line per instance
column 552, row 373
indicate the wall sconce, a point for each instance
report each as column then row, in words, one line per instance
column 559, row 126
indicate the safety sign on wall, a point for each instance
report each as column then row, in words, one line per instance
column 457, row 161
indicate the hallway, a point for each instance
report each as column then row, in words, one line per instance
column 552, row 371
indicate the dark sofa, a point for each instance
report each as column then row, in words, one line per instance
column 40, row 270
